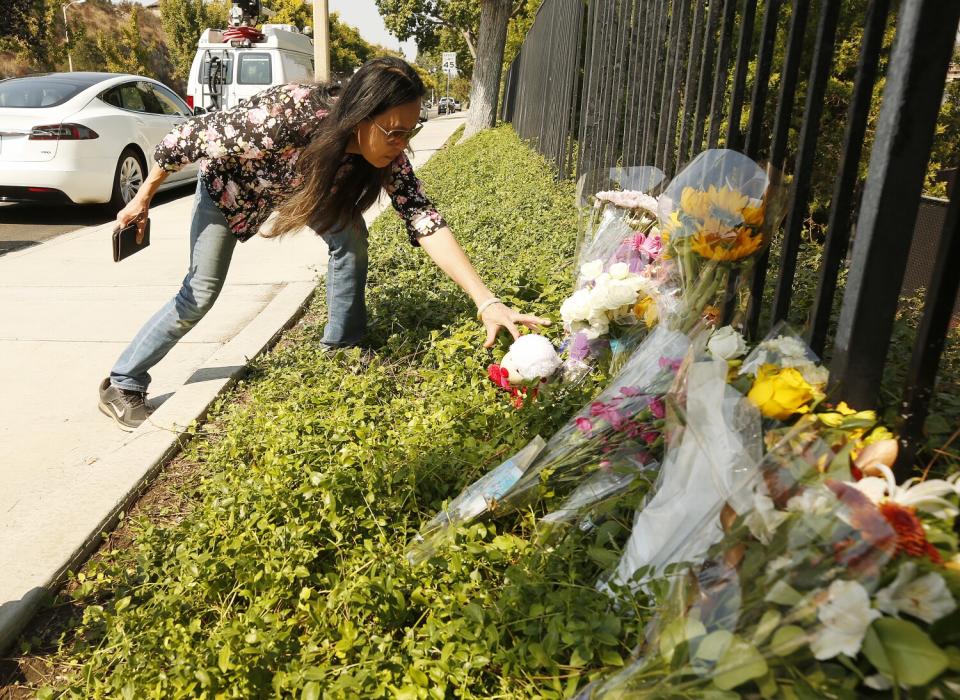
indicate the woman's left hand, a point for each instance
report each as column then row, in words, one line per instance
column 497, row 316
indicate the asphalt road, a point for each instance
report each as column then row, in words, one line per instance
column 25, row 225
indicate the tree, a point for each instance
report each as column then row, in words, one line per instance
column 126, row 53
column 348, row 50
column 481, row 25
column 33, row 30
column 295, row 12
column 425, row 20
column 485, row 89
column 183, row 22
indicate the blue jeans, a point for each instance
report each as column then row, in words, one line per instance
column 346, row 284
column 211, row 249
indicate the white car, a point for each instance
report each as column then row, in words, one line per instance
column 84, row 137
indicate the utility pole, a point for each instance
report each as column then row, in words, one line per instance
column 321, row 41
column 66, row 29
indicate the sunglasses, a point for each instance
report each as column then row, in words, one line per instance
column 399, row 135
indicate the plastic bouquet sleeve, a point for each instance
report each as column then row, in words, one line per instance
column 478, row 498
column 716, row 440
column 825, row 586
column 716, row 217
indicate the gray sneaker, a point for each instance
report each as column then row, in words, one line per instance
column 127, row 408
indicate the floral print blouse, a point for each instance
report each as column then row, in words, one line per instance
column 248, row 156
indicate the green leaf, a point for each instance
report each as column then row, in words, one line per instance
column 311, row 691
column 740, row 663
column 713, row 646
column 903, row 652
column 223, row 659
column 787, row 640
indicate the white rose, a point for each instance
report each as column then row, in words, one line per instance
column 576, row 307
column 533, row 357
column 927, row 598
column 620, row 294
column 600, row 297
column 726, row 344
column 619, row 271
column 591, row 270
column 845, row 617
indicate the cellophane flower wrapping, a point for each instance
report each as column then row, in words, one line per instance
column 615, row 437
column 716, row 216
column 714, row 440
column 616, row 296
column 789, row 580
column 478, row 498
column 818, row 581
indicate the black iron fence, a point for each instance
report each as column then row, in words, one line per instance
column 606, row 83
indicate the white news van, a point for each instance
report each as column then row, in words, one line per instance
column 224, row 72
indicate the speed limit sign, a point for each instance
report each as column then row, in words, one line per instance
column 449, row 62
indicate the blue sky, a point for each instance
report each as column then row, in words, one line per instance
column 363, row 15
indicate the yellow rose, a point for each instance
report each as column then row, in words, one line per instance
column 781, row 393
column 646, row 309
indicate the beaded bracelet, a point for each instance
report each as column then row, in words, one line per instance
column 485, row 305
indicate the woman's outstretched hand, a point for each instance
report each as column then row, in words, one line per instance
column 497, row 316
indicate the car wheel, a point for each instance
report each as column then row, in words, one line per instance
column 129, row 176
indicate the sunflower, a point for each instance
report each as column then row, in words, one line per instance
column 731, row 245
column 724, row 203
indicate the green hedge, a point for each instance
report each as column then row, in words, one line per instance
column 287, row 575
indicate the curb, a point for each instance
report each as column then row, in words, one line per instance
column 121, row 476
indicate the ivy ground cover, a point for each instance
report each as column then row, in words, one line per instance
column 286, row 576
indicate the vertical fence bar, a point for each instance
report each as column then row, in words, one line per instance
column 778, row 146
column 671, row 53
column 653, row 110
column 697, row 34
column 841, row 203
column 722, row 72
column 748, row 16
column 632, row 126
column 803, row 168
column 706, row 68
column 589, row 105
column 911, row 102
column 761, row 84
column 670, row 141
column 931, row 336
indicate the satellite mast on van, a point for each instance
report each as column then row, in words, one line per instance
column 235, row 63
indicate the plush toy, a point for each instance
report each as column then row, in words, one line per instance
column 530, row 359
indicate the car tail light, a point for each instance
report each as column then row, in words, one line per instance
column 190, row 101
column 62, row 132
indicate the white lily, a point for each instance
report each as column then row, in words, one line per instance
column 926, row 597
column 845, row 616
column 922, row 495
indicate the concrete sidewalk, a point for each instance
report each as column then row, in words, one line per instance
column 66, row 470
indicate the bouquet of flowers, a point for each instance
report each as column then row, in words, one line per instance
column 827, row 578
column 611, row 216
column 617, row 434
column 715, row 218
column 615, row 297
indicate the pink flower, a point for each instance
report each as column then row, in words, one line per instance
column 657, row 408
column 652, row 247
column 637, row 241
column 650, row 437
column 584, row 425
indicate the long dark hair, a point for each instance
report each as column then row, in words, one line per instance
column 330, row 194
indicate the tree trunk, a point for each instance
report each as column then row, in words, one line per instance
column 485, row 88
